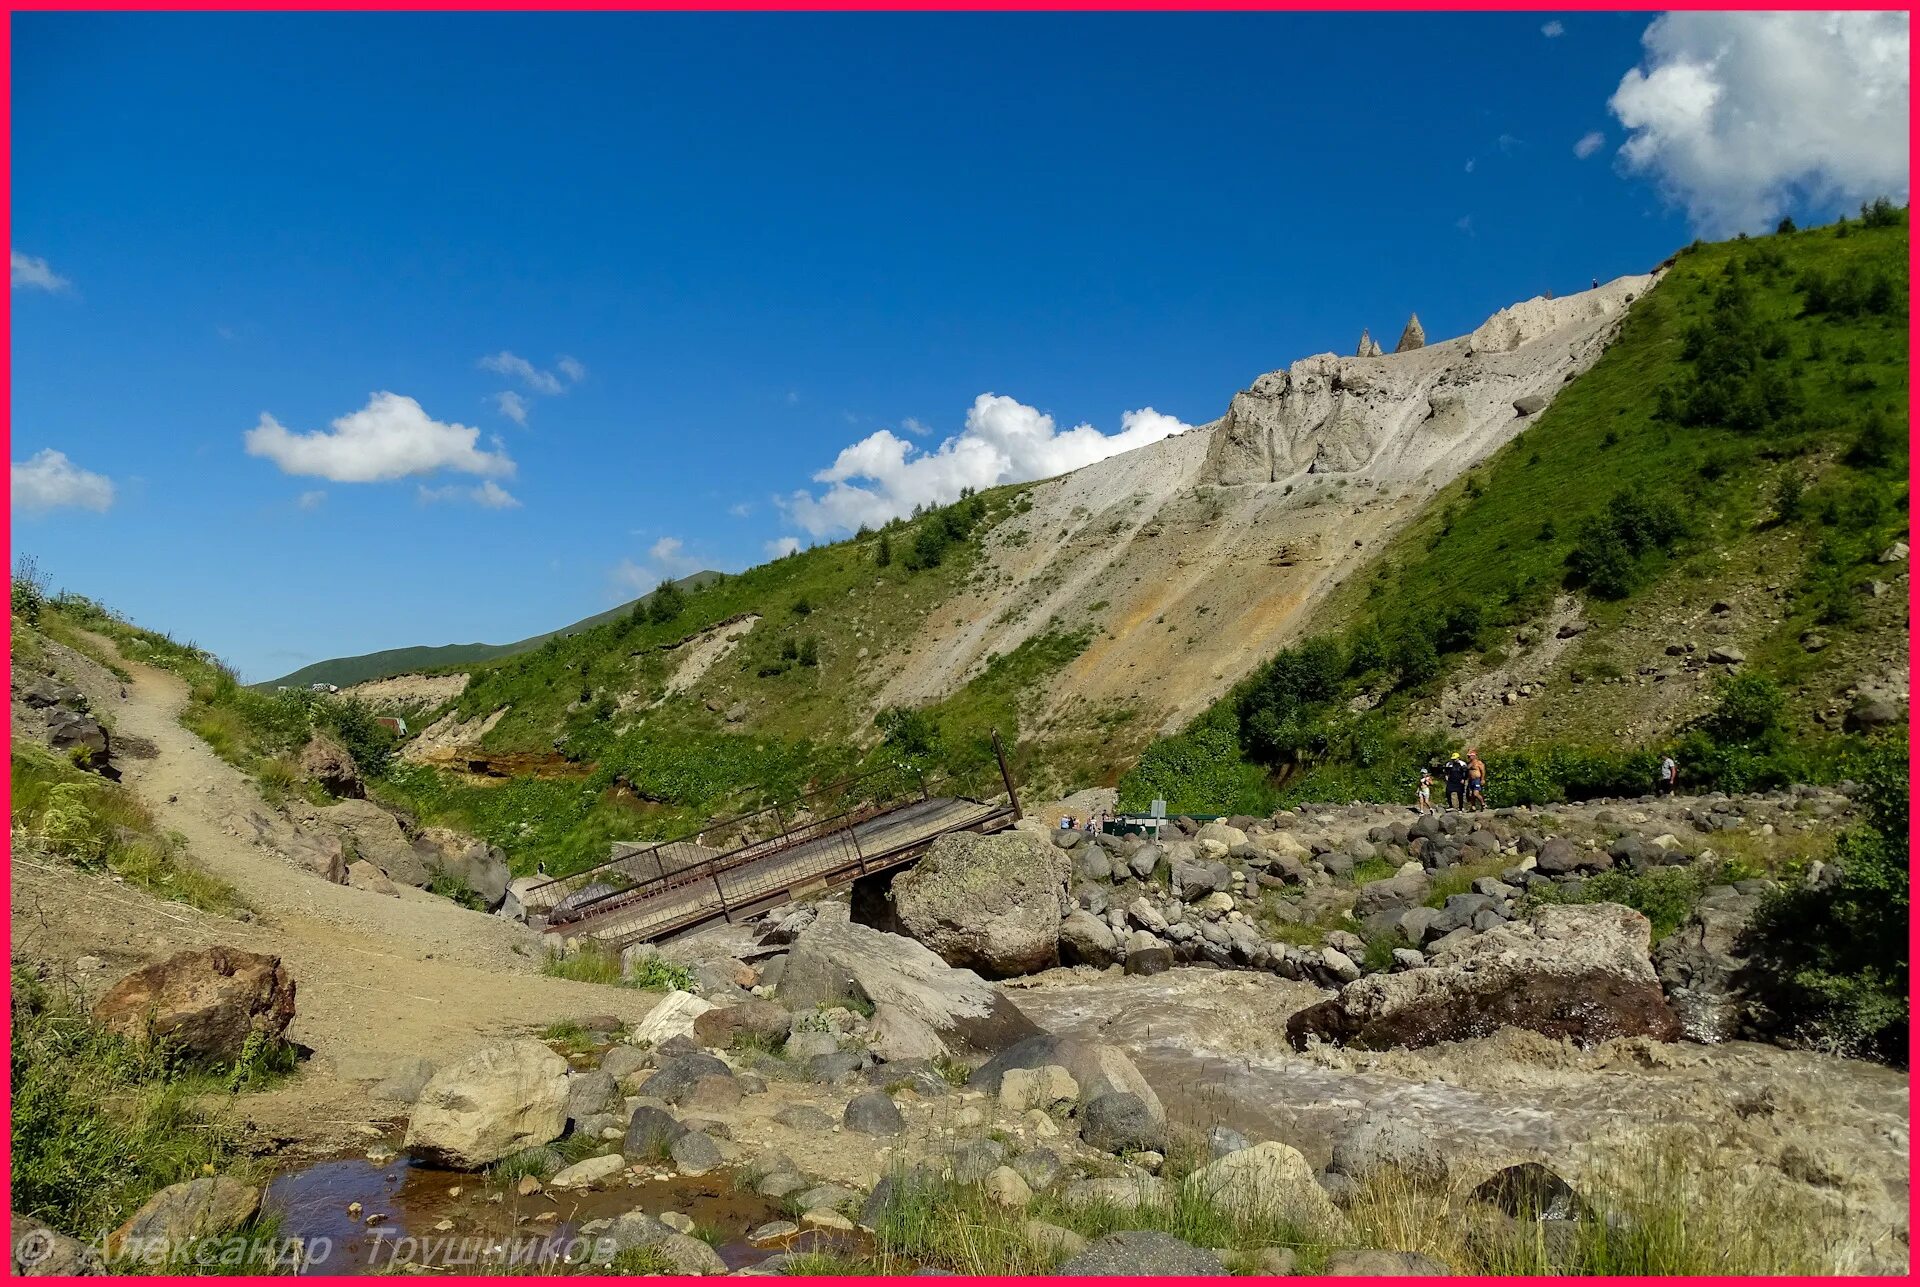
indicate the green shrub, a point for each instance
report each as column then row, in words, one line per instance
column 99, row 1125
column 1831, row 959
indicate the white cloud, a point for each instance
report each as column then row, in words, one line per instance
column 1465, row 224
column 32, row 273
column 1738, row 116
column 1589, row 143
column 571, row 368
column 1553, row 29
column 488, row 495
column 512, row 406
column 391, row 437
column 779, row 549
column 667, row 560
column 512, row 364
column 1470, row 164
column 50, row 481
column 311, row 500
column 884, row 476
column 915, row 428
column 740, row 509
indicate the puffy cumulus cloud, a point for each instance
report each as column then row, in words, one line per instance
column 49, row 481
column 782, row 546
column 391, row 437
column 33, row 273
column 884, row 476
column 1737, row 116
column 488, row 495
column 512, row 406
column 1589, row 143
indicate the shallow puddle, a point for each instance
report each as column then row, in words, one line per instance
column 415, row 1214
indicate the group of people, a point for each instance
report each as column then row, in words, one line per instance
column 1466, row 780
column 1094, row 822
column 1466, row 783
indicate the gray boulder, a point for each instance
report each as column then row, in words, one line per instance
column 987, row 903
column 1367, row 1263
column 476, row 864
column 872, row 1112
column 834, row 962
column 1578, row 972
column 676, row 1077
column 592, row 1093
column 650, row 1134
column 1085, row 939
column 1121, row 1123
column 1097, row 1069
column 1142, row 1253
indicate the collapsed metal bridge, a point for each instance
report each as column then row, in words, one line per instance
column 739, row 866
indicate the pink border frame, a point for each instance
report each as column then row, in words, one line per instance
column 883, row 6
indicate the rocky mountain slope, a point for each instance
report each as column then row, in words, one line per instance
column 1195, row 558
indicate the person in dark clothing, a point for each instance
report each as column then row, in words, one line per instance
column 1455, row 773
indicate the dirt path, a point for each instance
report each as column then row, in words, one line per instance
column 381, row 981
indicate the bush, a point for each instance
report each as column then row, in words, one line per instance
column 1615, row 547
column 29, row 590
column 665, row 604
column 1832, row 959
column 99, row 1125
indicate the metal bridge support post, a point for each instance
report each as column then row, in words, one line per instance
column 1013, row 797
column 725, row 914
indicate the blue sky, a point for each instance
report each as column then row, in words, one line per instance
column 708, row 254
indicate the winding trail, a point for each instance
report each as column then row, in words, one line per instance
column 381, row 981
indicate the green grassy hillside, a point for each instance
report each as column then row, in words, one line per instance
column 1742, row 445
column 406, row 661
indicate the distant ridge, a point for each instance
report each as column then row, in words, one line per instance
column 400, row 661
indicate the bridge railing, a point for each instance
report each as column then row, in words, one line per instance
column 728, row 843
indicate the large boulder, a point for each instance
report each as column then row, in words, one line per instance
column 498, row 1101
column 1085, row 939
column 375, row 834
column 755, row 1020
column 326, row 761
column 987, row 903
column 41, row 1252
column 1270, row 1181
column 833, row 962
column 1704, row 970
column 1142, row 1253
column 81, row 737
column 1401, row 890
column 206, row 1002
column 1096, row 1069
column 1118, row 1122
column 1579, row 972
column 178, row 1214
column 476, row 864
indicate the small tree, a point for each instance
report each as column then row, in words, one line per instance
column 1786, row 226
column 666, row 602
column 883, row 552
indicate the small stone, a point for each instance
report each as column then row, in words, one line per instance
column 677, row 1221
column 826, row 1218
column 773, row 1231
column 527, row 1187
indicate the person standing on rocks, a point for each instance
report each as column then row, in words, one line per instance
column 1455, row 773
column 1669, row 775
column 1476, row 782
column 1423, row 793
